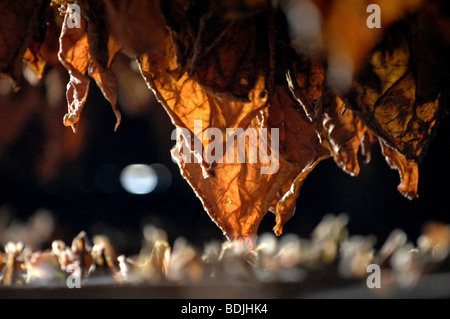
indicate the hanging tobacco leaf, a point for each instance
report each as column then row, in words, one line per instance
column 236, row 195
column 20, row 21
column 40, row 103
column 340, row 129
column 400, row 93
column 86, row 52
column 292, row 73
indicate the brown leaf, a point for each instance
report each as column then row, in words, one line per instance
column 345, row 133
column 43, row 47
column 340, row 129
column 136, row 24
column 103, row 49
column 299, row 145
column 19, row 20
column 338, row 31
column 219, row 188
column 409, row 171
column 223, row 54
column 86, row 52
column 400, row 93
column 236, row 195
column 74, row 55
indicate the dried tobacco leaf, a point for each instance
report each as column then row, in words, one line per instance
column 86, row 52
column 222, row 54
column 345, row 133
column 339, row 30
column 217, row 186
column 103, row 50
column 236, row 195
column 299, row 145
column 40, row 102
column 224, row 65
column 400, row 93
column 19, row 22
column 340, row 129
column 409, row 171
column 74, row 55
column 42, row 51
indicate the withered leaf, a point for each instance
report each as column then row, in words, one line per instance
column 409, row 171
column 344, row 133
column 340, row 129
column 86, row 52
column 42, row 51
column 136, row 24
column 400, row 93
column 232, row 65
column 103, row 49
column 236, row 195
column 338, row 30
column 74, row 55
column 208, row 71
column 40, row 104
column 299, row 144
column 223, row 55
column 19, row 21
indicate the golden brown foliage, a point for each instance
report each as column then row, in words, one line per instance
column 247, row 64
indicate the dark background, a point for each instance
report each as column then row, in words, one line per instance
column 87, row 195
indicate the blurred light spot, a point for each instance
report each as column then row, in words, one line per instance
column 267, row 244
column 55, row 89
column 143, row 179
column 304, row 20
column 30, row 76
column 134, row 66
column 340, row 72
column 138, row 179
column 34, row 233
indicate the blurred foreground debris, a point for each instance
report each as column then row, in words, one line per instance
column 330, row 252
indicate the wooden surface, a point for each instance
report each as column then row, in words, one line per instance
column 430, row 286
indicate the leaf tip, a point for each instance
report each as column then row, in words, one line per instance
column 118, row 120
column 70, row 119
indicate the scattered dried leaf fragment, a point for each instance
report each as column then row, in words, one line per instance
column 13, row 271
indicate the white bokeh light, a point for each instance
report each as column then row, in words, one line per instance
column 139, row 179
column 142, row 179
